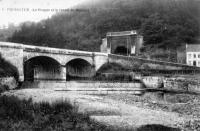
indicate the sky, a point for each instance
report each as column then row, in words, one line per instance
column 17, row 11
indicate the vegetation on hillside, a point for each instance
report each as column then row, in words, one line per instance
column 164, row 23
column 5, row 33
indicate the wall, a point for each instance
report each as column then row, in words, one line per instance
column 89, row 87
column 139, row 44
column 103, row 47
column 171, row 84
column 182, row 84
column 99, row 60
column 132, row 62
column 152, row 81
column 191, row 58
column 62, row 58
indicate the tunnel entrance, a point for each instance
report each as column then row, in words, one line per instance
column 122, row 50
column 79, row 69
column 42, row 68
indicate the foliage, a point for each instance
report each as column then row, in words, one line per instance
column 7, row 32
column 111, row 67
column 25, row 115
column 7, row 69
column 172, row 23
column 167, row 23
column 20, row 115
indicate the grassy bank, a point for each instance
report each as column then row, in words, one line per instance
column 22, row 115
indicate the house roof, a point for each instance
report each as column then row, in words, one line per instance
column 193, row 47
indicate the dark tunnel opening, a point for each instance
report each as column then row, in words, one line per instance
column 122, row 50
column 42, row 68
column 157, row 127
column 79, row 69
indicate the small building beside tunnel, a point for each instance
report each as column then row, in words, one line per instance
column 122, row 43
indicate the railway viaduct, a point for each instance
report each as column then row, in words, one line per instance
column 38, row 63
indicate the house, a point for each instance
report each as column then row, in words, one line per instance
column 193, row 54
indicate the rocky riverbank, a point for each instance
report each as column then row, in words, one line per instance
column 186, row 105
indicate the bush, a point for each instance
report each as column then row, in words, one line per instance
column 111, row 67
column 7, row 69
column 26, row 115
column 3, row 88
column 21, row 115
column 114, row 77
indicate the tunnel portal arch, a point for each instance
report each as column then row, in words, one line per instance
column 122, row 50
column 79, row 68
column 42, row 68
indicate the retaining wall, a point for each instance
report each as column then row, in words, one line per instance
column 90, row 87
column 182, row 84
column 141, row 63
column 179, row 84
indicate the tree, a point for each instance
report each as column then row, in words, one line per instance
column 165, row 23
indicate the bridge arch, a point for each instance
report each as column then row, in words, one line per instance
column 79, row 68
column 42, row 68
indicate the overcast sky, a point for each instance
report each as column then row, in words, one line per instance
column 17, row 11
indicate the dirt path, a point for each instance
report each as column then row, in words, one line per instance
column 107, row 111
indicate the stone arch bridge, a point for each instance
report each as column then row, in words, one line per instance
column 34, row 62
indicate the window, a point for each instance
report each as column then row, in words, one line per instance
column 194, row 63
column 190, row 62
column 198, row 63
column 194, row 55
column 198, row 55
column 189, row 56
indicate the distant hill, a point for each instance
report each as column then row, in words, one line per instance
column 165, row 23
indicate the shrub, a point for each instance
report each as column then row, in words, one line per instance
column 3, row 88
column 26, row 115
column 7, row 69
column 21, row 115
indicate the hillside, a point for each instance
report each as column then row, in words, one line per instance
column 166, row 24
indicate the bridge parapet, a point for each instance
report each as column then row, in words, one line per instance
column 11, row 45
column 55, row 50
column 31, row 48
